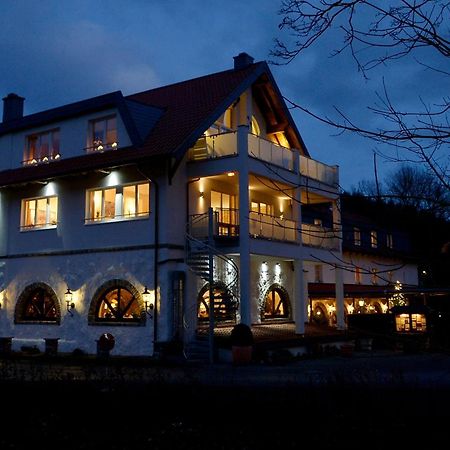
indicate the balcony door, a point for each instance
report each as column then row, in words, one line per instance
column 224, row 207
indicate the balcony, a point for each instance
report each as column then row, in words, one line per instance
column 270, row 227
column 317, row 236
column 226, row 224
column 318, row 171
column 214, row 146
column 226, row 144
column 270, row 152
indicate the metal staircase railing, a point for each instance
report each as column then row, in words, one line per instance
column 204, row 259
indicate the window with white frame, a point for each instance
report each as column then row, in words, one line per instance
column 119, row 202
column 42, row 147
column 39, row 213
column 262, row 208
column 102, row 134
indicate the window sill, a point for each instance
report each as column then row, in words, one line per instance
column 37, row 228
column 115, row 220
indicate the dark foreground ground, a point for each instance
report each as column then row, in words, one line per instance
column 340, row 412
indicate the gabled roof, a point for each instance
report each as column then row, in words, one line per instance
column 192, row 106
column 161, row 122
column 129, row 111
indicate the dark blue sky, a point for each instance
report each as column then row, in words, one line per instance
column 59, row 51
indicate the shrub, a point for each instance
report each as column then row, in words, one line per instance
column 241, row 335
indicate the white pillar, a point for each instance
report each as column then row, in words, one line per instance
column 340, row 320
column 339, row 283
column 244, row 228
column 299, row 296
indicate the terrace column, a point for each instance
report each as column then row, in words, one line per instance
column 339, row 283
column 244, row 229
column 299, row 297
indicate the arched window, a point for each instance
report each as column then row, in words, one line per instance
column 276, row 303
column 320, row 316
column 255, row 127
column 225, row 305
column 39, row 304
column 117, row 302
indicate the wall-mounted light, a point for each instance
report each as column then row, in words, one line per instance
column 201, row 194
column 68, row 297
column 147, row 297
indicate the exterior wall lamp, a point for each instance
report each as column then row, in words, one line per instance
column 146, row 295
column 68, row 297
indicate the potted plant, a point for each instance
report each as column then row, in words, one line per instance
column 241, row 344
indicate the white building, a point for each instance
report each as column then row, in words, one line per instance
column 164, row 192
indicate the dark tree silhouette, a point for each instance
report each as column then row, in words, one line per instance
column 382, row 32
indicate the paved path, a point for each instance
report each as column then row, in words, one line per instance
column 375, row 369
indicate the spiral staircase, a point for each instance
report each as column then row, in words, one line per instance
column 202, row 258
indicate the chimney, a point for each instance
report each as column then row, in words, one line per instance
column 242, row 60
column 12, row 107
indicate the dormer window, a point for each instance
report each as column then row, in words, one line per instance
column 42, row 147
column 102, row 134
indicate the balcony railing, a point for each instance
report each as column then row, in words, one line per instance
column 41, row 160
column 317, row 236
column 270, row 152
column 270, row 227
column 102, row 147
column 226, row 224
column 318, row 171
column 225, row 144
column 214, row 146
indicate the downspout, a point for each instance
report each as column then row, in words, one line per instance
column 156, row 253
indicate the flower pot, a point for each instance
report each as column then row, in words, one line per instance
column 241, row 354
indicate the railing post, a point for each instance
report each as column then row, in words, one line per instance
column 211, row 282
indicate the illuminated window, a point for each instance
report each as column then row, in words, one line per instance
column 136, row 200
column 255, row 127
column 357, row 275
column 356, row 236
column 224, row 207
column 39, row 213
column 42, row 147
column 262, row 208
column 276, row 303
column 225, row 305
column 280, row 139
column 102, row 134
column 38, row 303
column 120, row 202
column 409, row 322
column 224, row 123
column 102, row 204
column 373, row 239
column 117, row 301
column 319, row 315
